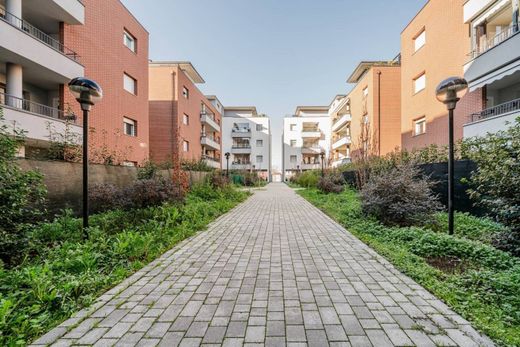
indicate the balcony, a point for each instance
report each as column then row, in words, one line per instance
column 211, row 162
column 312, row 149
column 24, row 44
column 492, row 119
column 313, row 166
column 209, row 142
column 341, row 161
column 241, row 165
column 36, row 119
column 241, row 148
column 311, row 133
column 241, row 132
column 341, row 122
column 340, row 141
column 209, row 121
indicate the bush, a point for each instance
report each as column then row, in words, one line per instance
column 147, row 171
column 331, row 183
column 152, row 192
column 105, row 197
column 308, row 179
column 22, row 196
column 399, row 196
column 218, row 180
column 196, row 165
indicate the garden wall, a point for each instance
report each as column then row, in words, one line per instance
column 64, row 180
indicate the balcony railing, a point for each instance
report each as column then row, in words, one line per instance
column 240, row 145
column 487, row 44
column 507, row 107
column 207, row 157
column 33, row 107
column 241, row 130
column 36, row 33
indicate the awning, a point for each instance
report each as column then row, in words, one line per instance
column 498, row 75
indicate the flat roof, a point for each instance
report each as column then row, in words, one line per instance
column 364, row 66
column 186, row 66
column 311, row 108
column 251, row 109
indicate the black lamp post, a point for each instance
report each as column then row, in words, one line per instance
column 227, row 154
column 87, row 93
column 449, row 92
column 298, row 168
column 322, row 156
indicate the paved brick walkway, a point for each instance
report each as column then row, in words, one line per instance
column 274, row 271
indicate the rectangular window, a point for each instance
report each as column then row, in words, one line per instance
column 185, row 92
column 420, row 126
column 365, row 91
column 293, row 159
column 129, row 41
column 365, row 119
column 259, row 158
column 419, row 83
column 419, row 40
column 293, row 143
column 259, row 143
column 259, row 127
column 293, row 127
column 185, row 119
column 185, row 146
column 129, row 127
column 130, row 84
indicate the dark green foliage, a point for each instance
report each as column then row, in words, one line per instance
column 332, row 182
column 399, row 196
column 22, row 196
column 196, row 165
column 482, row 286
column 65, row 272
column 148, row 171
column 218, row 180
column 152, row 192
column 105, row 197
column 308, row 179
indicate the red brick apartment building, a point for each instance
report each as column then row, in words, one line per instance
column 113, row 48
column 184, row 123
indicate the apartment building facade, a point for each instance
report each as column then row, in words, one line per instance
column 35, row 67
column 493, row 67
column 246, row 136
column 306, row 135
column 184, row 124
column 368, row 120
column 113, row 48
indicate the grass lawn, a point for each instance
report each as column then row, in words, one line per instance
column 478, row 281
column 64, row 273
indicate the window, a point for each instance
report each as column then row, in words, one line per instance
column 129, row 41
column 293, row 159
column 293, row 143
column 202, row 108
column 185, row 146
column 130, row 84
column 419, row 40
column 259, row 143
column 129, row 127
column 185, row 92
column 185, row 119
column 293, row 127
column 259, row 158
column 129, row 163
column 365, row 92
column 365, row 119
column 419, row 83
column 259, row 127
column 420, row 126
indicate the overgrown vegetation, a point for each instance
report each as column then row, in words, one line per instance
column 477, row 280
column 63, row 273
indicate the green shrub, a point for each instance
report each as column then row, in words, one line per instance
column 399, row 196
column 331, row 183
column 22, row 197
column 308, row 179
column 196, row 165
column 148, row 171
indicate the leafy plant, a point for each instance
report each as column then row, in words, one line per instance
column 331, row 183
column 308, row 179
column 196, row 165
column 147, row 171
column 105, row 197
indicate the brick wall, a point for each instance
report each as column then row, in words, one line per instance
column 100, row 45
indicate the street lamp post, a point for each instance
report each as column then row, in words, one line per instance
column 298, row 168
column 227, row 154
column 449, row 92
column 322, row 156
column 87, row 93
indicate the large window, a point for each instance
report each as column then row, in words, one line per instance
column 130, row 41
column 419, row 126
column 419, row 40
column 130, row 84
column 419, row 83
column 129, row 126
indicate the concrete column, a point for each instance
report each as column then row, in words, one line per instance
column 14, row 84
column 14, row 8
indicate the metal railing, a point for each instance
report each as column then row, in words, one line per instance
column 241, row 130
column 203, row 135
column 36, row 33
column 33, row 107
column 241, row 145
column 506, row 107
column 487, row 44
column 241, row 163
column 207, row 157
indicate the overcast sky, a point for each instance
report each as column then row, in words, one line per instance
column 274, row 54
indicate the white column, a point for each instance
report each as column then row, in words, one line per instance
column 14, row 8
column 14, row 84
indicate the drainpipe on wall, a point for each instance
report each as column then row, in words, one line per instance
column 379, row 112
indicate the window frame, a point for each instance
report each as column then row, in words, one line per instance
column 261, row 127
column 125, row 76
column 261, row 143
column 185, row 92
column 185, row 119
column 185, row 146
column 126, row 33
column 261, row 159
column 416, row 122
column 421, row 33
column 416, row 78
column 295, row 159
column 131, row 122
column 291, row 143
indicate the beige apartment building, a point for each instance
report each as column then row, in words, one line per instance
column 367, row 120
column 434, row 46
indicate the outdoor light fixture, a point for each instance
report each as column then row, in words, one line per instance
column 227, row 154
column 322, row 155
column 87, row 93
column 449, row 92
column 298, row 168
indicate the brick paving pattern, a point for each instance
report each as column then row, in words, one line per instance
column 275, row 271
